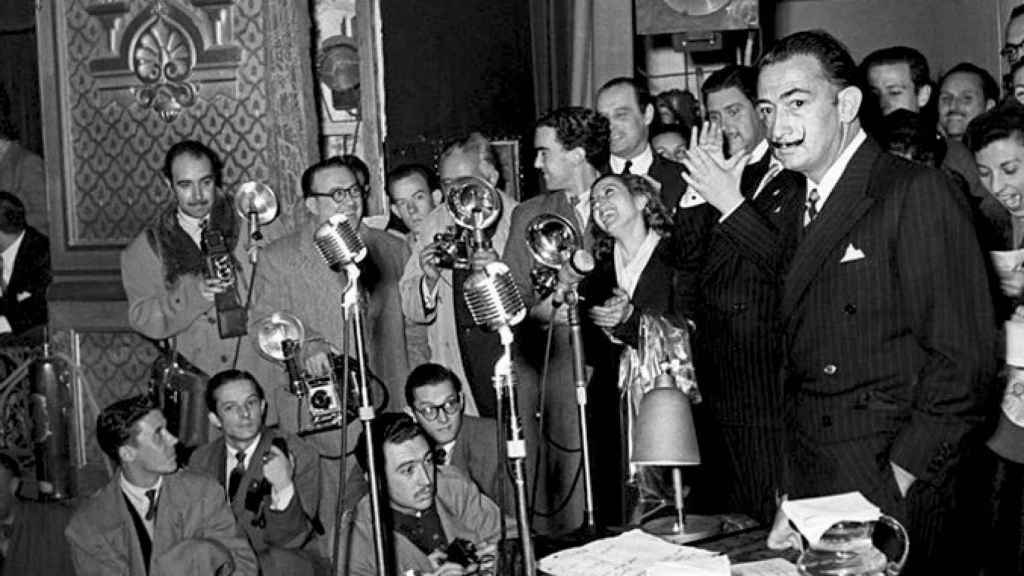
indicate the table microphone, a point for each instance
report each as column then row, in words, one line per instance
column 338, row 243
column 492, row 297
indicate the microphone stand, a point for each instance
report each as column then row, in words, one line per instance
column 352, row 315
column 579, row 379
column 505, row 385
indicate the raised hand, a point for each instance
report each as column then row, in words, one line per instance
column 710, row 174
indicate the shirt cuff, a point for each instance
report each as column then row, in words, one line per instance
column 428, row 296
column 729, row 212
column 280, row 500
column 5, row 326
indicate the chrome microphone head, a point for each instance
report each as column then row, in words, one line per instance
column 338, row 243
column 492, row 297
column 552, row 240
column 473, row 202
column 256, row 198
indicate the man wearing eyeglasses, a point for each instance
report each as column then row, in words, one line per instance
column 293, row 277
column 1013, row 47
column 435, row 399
column 271, row 477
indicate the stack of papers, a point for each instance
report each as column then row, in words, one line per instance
column 629, row 554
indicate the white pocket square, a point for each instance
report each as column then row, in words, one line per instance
column 22, row 296
column 852, row 254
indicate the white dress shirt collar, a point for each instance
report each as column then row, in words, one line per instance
column 9, row 254
column 759, row 151
column 232, row 460
column 640, row 164
column 137, row 497
column 191, row 226
column 835, row 172
column 628, row 272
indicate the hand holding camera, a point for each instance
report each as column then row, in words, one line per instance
column 278, row 468
column 428, row 263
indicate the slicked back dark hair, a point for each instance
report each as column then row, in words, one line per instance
column 310, row 173
column 194, row 149
column 989, row 86
column 12, row 213
column 640, row 90
column 407, row 171
column 429, row 374
column 224, row 377
column 116, row 424
column 920, row 74
column 1018, row 10
column 359, row 169
column 1000, row 123
column 389, row 428
column 834, row 58
column 578, row 127
column 743, row 78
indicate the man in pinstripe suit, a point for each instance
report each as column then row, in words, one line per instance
column 738, row 347
column 887, row 321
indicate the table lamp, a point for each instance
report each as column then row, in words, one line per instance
column 664, row 435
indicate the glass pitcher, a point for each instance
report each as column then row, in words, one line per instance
column 846, row 549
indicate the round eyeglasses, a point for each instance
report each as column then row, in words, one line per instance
column 450, row 407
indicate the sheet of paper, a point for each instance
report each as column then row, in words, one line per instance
column 713, row 566
column 628, row 554
column 773, row 567
column 814, row 516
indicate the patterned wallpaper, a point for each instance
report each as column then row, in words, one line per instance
column 262, row 122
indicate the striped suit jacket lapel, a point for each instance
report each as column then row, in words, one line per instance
column 846, row 205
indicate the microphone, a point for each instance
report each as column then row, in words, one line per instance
column 492, row 297
column 572, row 271
column 338, row 243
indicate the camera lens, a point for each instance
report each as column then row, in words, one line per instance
column 320, row 400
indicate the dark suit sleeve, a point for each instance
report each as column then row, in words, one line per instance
column 755, row 238
column 943, row 286
column 517, row 255
column 690, row 245
column 292, row 527
column 30, row 311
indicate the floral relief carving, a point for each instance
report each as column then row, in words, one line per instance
column 163, row 59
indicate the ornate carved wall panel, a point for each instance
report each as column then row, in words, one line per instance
column 132, row 78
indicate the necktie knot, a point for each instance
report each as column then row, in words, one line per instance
column 812, row 204
column 235, row 479
column 627, row 167
column 151, row 510
column 441, row 457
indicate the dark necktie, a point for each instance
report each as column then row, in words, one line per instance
column 3, row 283
column 151, row 511
column 440, row 457
column 236, row 475
column 626, row 167
column 812, row 204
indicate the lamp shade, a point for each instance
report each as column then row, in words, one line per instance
column 663, row 434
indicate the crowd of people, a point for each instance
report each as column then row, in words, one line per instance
column 821, row 234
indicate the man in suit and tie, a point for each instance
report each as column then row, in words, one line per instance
column 888, row 319
column 293, row 277
column 433, row 394
column 737, row 344
column 572, row 149
column 272, row 477
column 152, row 519
column 24, row 272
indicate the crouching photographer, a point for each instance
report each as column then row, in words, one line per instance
column 271, row 477
column 442, row 525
